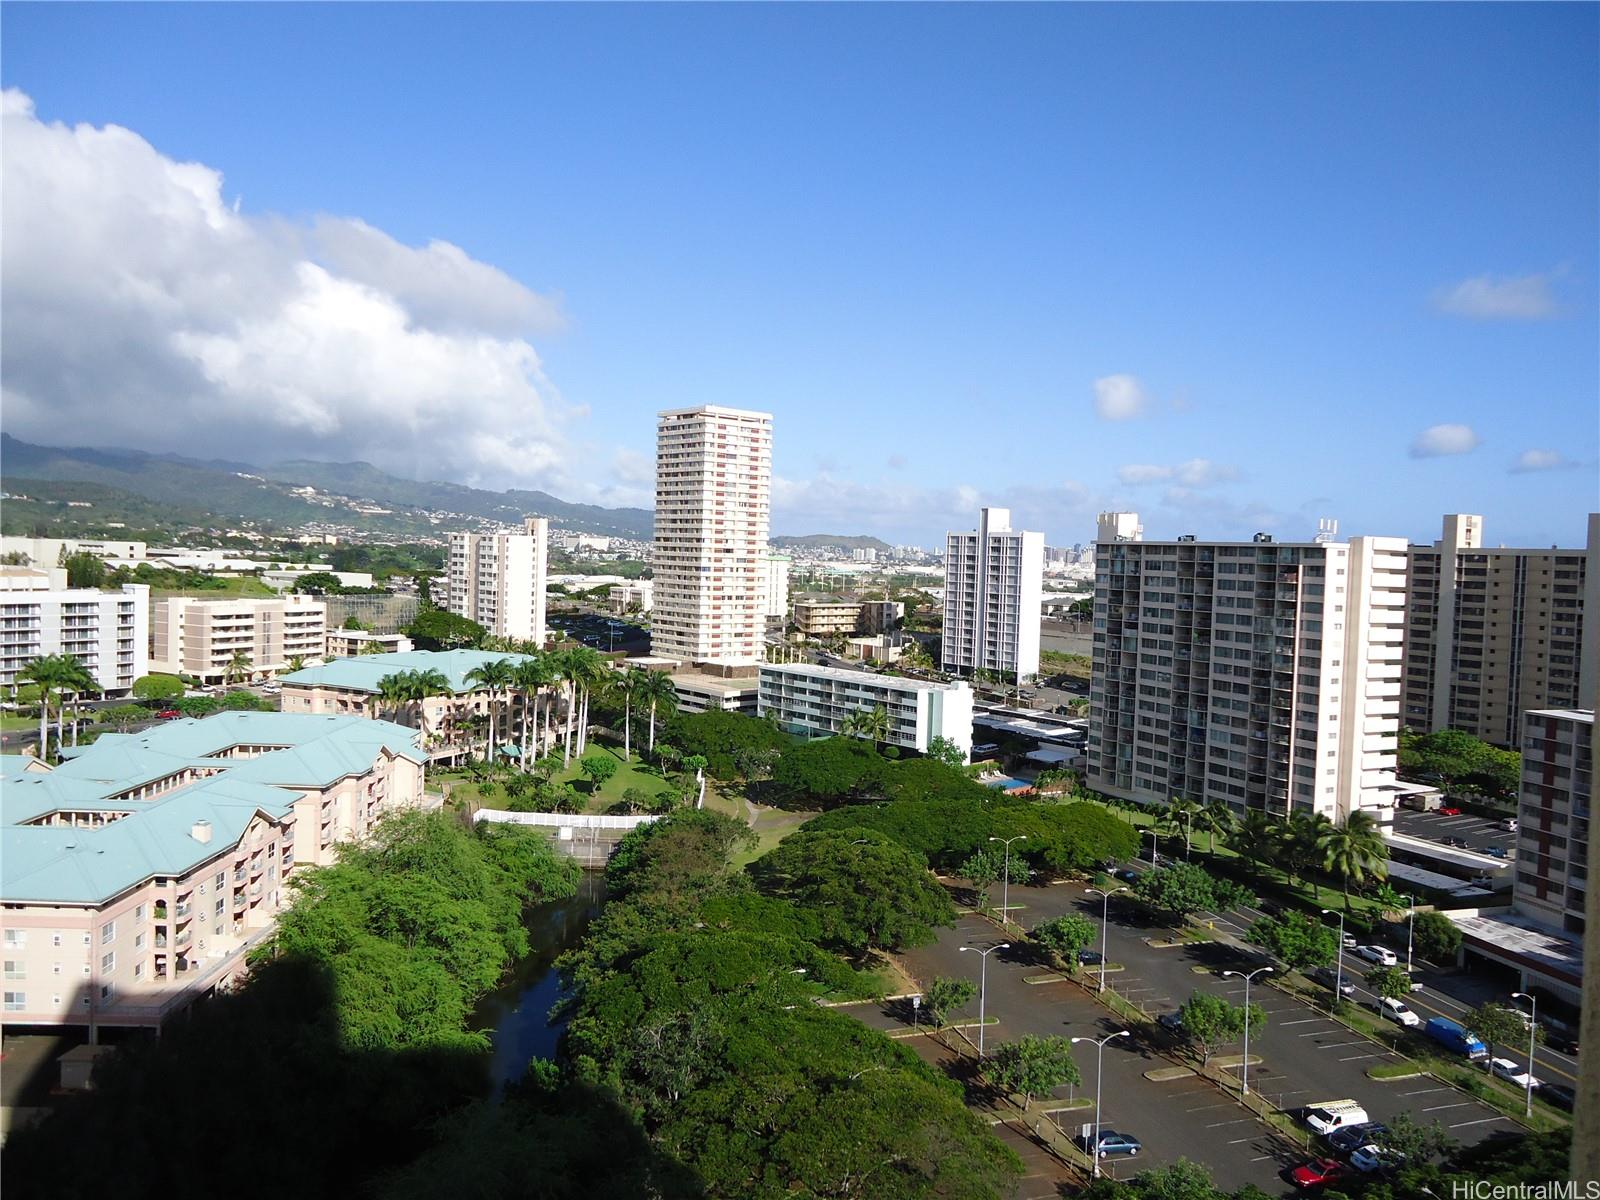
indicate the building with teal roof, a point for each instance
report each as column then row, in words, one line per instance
column 139, row 870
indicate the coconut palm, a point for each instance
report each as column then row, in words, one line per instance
column 1179, row 816
column 297, row 662
column 629, row 684
column 1301, row 843
column 422, row 686
column 52, row 673
column 1354, row 850
column 566, row 668
column 657, row 689
column 239, row 668
column 393, row 690
column 494, row 677
column 1214, row 818
column 591, row 670
column 1256, row 837
column 528, row 677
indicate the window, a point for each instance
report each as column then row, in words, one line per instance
column 16, row 939
column 16, row 1001
column 88, row 938
column 222, row 880
column 55, row 968
column 55, row 938
column 108, row 963
column 86, row 973
column 16, row 970
column 138, row 914
column 138, row 970
column 108, row 933
column 138, row 941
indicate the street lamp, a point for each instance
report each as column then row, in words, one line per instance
column 1005, row 882
column 1248, row 976
column 1338, row 975
column 983, row 984
column 1533, row 1029
column 1153, row 854
column 1099, row 1053
column 1411, row 925
column 1105, row 908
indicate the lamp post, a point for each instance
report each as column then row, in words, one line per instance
column 983, row 984
column 1248, row 976
column 1153, row 854
column 1533, row 1029
column 1099, row 1054
column 1005, row 881
column 916, row 1013
column 1411, row 926
column 1338, row 975
column 1105, row 908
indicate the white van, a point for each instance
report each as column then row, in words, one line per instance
column 1326, row 1116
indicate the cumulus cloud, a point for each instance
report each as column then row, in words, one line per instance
column 1439, row 440
column 631, row 467
column 1541, row 460
column 143, row 309
column 1499, row 298
column 1119, row 398
column 1196, row 473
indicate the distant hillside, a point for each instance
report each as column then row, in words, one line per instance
column 817, row 541
column 192, row 492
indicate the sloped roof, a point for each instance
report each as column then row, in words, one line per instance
column 361, row 674
column 61, row 864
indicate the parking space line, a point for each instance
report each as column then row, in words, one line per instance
column 1357, row 1057
column 1423, row 1092
column 1301, row 1021
column 1442, row 1107
column 1483, row 1121
column 1341, row 1045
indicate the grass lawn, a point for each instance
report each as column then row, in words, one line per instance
column 19, row 724
column 242, row 585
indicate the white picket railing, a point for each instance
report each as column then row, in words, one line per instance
column 563, row 820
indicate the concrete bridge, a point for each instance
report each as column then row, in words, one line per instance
column 589, row 838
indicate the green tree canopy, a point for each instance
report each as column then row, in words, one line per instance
column 1032, row 1066
column 1065, row 935
column 598, row 768
column 945, row 995
column 158, row 687
column 436, row 629
column 1436, row 937
column 1297, row 939
column 1210, row 1021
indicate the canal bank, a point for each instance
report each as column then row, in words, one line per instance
column 516, row 1015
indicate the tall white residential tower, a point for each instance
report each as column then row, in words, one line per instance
column 498, row 579
column 713, row 508
column 993, row 585
column 1263, row 674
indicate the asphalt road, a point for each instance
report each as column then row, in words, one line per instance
column 1479, row 834
column 1186, row 1118
column 1305, row 1055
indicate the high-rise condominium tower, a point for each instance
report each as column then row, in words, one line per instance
column 1263, row 674
column 993, row 582
column 1492, row 632
column 498, row 579
column 713, row 508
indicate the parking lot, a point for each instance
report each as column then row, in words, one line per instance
column 1185, row 1117
column 1484, row 836
column 1305, row 1055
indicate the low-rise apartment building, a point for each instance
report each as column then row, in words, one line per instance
column 349, row 643
column 636, row 596
column 108, row 632
column 139, row 871
column 1492, row 631
column 815, row 701
column 845, row 618
column 451, row 722
column 205, row 637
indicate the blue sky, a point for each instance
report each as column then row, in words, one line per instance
column 1291, row 238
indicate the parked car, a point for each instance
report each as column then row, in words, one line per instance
column 168, row 714
column 1326, row 1116
column 1172, row 1022
column 1449, row 810
column 1452, row 840
column 1111, row 1143
column 1509, row 824
column 1495, row 851
column 1372, row 1157
column 1558, row 1094
column 1349, row 941
column 1127, row 875
column 1090, row 958
column 1353, row 1138
column 1454, row 1036
column 1381, row 955
column 1319, row 1172
column 1329, row 978
column 1395, row 1010
column 1509, row 1069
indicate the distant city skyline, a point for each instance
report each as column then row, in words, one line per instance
column 1233, row 268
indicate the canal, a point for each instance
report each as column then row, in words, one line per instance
column 516, row 1014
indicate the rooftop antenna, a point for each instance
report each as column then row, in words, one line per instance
column 1327, row 529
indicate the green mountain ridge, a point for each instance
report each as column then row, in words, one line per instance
column 200, row 492
column 845, row 541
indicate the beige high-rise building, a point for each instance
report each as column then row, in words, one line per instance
column 993, row 587
column 1492, row 632
column 498, row 579
column 713, row 508
column 200, row 637
column 1260, row 673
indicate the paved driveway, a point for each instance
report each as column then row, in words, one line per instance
column 1478, row 833
column 1306, row 1056
column 1181, row 1118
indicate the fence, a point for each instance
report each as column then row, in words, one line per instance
column 590, row 838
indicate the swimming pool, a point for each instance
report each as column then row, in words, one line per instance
column 1006, row 784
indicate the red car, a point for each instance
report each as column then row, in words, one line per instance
column 1449, row 810
column 1319, row 1172
column 168, row 714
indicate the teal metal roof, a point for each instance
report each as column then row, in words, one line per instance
column 10, row 764
column 362, row 674
column 61, row 864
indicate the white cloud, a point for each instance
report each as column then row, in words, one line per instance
column 143, row 310
column 1491, row 298
column 1541, row 460
column 1196, row 473
column 632, row 467
column 1119, row 398
column 1439, row 440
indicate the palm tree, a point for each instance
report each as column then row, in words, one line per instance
column 528, row 676
column 393, row 690
column 1301, row 841
column 53, row 672
column 1213, row 818
column 566, row 669
column 628, row 685
column 422, row 685
column 494, row 676
column 590, row 669
column 1354, row 850
column 239, row 668
column 1179, row 818
column 297, row 662
column 1255, row 837
column 656, row 687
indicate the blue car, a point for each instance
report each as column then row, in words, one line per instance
column 1111, row 1143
